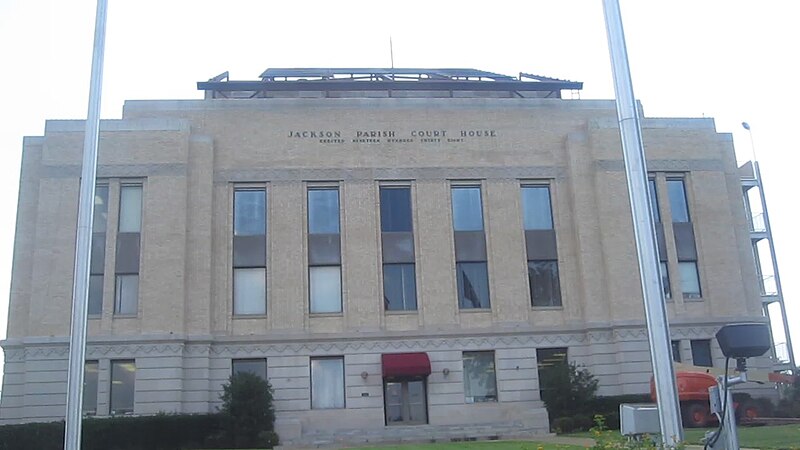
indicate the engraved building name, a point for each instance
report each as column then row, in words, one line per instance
column 391, row 136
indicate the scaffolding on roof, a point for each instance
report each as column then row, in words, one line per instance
column 385, row 79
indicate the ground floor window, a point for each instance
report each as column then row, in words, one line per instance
column 701, row 352
column 123, row 382
column 406, row 401
column 327, row 383
column 548, row 362
column 676, row 351
column 480, row 383
column 90, row 371
column 257, row 366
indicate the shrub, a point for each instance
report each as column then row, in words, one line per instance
column 32, row 436
column 583, row 421
column 161, row 432
column 789, row 404
column 608, row 406
column 567, row 389
column 247, row 411
column 563, row 425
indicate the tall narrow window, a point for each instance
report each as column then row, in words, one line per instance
column 324, row 251
column 540, row 246
column 661, row 248
column 126, row 299
column 480, row 382
column 472, row 274
column 98, row 257
column 397, row 243
column 249, row 251
column 327, row 383
column 677, row 200
column 684, row 238
column 123, row 386
column 90, row 371
column 701, row 353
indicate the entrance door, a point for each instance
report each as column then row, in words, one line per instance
column 406, row 402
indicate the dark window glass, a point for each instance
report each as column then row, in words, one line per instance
column 95, row 294
column 677, row 200
column 548, row 363
column 126, row 299
column 467, row 212
column 249, row 212
column 664, row 271
column 323, row 211
column 90, row 370
column 123, row 380
column 473, row 285
column 99, row 223
column 544, row 284
column 536, row 208
column 651, row 185
column 396, row 209
column 399, row 287
column 701, row 353
column 254, row 366
column 480, row 382
column 676, row 351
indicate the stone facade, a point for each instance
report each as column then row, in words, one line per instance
column 189, row 156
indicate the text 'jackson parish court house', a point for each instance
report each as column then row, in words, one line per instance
column 386, row 246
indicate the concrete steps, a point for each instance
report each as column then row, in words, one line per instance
column 416, row 433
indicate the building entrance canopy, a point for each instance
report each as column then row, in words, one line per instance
column 405, row 364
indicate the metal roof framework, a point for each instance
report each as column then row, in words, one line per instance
column 386, row 79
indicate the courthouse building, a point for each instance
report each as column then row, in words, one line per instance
column 400, row 252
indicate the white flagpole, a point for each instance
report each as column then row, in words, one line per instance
column 644, row 230
column 80, row 287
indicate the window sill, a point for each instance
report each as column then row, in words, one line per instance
column 547, row 308
column 248, row 316
column 126, row 316
column 474, row 310
column 401, row 312
column 692, row 299
column 481, row 402
column 315, row 315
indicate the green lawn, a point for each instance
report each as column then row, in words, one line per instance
column 766, row 438
column 493, row 445
column 780, row 437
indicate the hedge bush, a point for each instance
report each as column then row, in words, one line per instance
column 160, row 432
column 566, row 389
column 247, row 411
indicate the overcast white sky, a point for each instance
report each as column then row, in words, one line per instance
column 733, row 60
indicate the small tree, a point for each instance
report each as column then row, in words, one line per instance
column 248, row 412
column 789, row 404
column 567, row 389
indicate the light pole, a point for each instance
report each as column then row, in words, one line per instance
column 83, row 242
column 644, row 231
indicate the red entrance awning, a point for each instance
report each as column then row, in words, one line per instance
column 405, row 364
